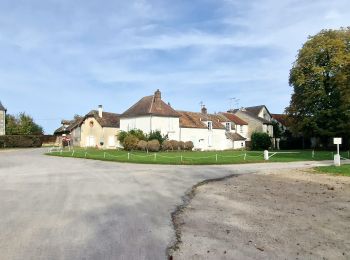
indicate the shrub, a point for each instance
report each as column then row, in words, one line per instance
column 156, row 135
column 189, row 145
column 138, row 133
column 174, row 145
column 153, row 145
column 181, row 145
column 260, row 141
column 130, row 142
column 20, row 141
column 166, row 146
column 142, row 145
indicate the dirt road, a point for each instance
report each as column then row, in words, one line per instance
column 278, row 214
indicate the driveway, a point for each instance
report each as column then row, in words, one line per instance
column 63, row 208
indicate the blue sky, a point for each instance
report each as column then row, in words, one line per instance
column 62, row 57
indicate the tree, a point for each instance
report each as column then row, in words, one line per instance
column 320, row 77
column 277, row 131
column 260, row 141
column 157, row 135
column 22, row 124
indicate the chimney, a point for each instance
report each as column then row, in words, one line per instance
column 204, row 110
column 157, row 96
column 100, row 110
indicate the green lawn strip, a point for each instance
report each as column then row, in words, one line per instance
column 343, row 170
column 194, row 157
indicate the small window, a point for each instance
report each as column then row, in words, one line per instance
column 241, row 129
column 228, row 126
column 242, row 144
column 210, row 125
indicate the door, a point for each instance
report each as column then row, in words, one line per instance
column 90, row 141
column 111, row 141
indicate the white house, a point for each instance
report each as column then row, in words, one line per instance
column 206, row 131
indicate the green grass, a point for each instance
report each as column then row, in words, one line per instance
column 343, row 170
column 193, row 157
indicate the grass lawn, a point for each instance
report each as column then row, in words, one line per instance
column 343, row 170
column 193, row 157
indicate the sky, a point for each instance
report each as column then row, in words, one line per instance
column 59, row 58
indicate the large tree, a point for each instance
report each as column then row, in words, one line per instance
column 320, row 76
column 22, row 124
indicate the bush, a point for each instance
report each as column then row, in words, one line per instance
column 181, row 145
column 20, row 141
column 130, row 142
column 189, row 145
column 138, row 133
column 156, row 135
column 142, row 145
column 153, row 145
column 174, row 145
column 166, row 146
column 260, row 141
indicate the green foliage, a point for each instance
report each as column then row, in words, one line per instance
column 157, row 136
column 130, row 142
column 320, row 77
column 22, row 125
column 121, row 136
column 138, row 133
column 9, row 141
column 277, row 131
column 260, row 141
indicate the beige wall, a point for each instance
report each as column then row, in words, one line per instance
column 92, row 136
column 2, row 122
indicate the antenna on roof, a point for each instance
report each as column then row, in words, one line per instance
column 202, row 104
column 234, row 102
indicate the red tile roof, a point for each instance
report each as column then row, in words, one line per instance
column 235, row 119
column 197, row 120
column 151, row 105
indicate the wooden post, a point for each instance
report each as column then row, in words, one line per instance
column 85, row 154
column 216, row 157
column 155, row 156
column 128, row 156
column 73, row 153
column 181, row 158
column 245, row 155
column 313, row 154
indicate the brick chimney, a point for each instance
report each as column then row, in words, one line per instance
column 157, row 96
column 100, row 110
column 204, row 110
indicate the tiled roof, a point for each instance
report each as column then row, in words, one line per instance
column 150, row 105
column 255, row 109
column 235, row 136
column 282, row 118
column 71, row 125
column 107, row 120
column 235, row 119
column 251, row 114
column 196, row 120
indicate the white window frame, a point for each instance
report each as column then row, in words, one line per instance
column 228, row 126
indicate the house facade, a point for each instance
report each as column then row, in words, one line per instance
column 258, row 118
column 206, row 131
column 96, row 129
column 2, row 119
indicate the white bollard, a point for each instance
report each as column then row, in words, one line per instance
column 155, row 157
column 337, row 159
column 245, row 156
column 266, row 155
column 128, row 156
column 216, row 157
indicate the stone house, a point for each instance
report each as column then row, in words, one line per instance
column 96, row 129
column 258, row 118
column 2, row 119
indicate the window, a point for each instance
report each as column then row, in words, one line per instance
column 228, row 126
column 242, row 144
column 241, row 129
column 210, row 125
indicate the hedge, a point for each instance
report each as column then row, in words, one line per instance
column 9, row 141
